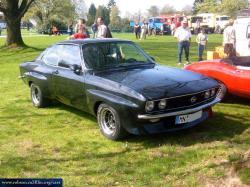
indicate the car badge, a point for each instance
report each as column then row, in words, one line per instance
column 193, row 99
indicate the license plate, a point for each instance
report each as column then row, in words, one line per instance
column 188, row 117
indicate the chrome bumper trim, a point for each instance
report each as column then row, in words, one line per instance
column 187, row 111
column 22, row 77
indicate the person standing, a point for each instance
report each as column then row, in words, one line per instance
column 137, row 30
column 81, row 34
column 102, row 28
column 183, row 35
column 70, row 29
column 201, row 39
column 172, row 28
column 229, row 39
column 197, row 26
column 81, row 23
column 94, row 28
column 143, row 31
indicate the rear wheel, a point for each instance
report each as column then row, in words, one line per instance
column 110, row 123
column 37, row 96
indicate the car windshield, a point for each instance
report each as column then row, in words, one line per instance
column 224, row 18
column 158, row 20
column 113, row 54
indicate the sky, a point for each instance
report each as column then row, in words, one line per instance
column 134, row 6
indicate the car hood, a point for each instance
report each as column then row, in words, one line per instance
column 160, row 81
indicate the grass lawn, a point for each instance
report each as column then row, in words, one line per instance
column 62, row 142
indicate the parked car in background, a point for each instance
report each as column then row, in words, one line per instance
column 2, row 25
column 121, row 85
column 233, row 72
column 157, row 25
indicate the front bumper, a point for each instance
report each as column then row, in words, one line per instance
column 187, row 111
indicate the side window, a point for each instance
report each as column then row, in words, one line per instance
column 71, row 55
column 93, row 56
column 51, row 57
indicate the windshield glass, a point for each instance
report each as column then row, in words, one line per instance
column 113, row 54
column 224, row 18
column 158, row 20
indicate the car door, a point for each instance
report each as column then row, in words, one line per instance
column 69, row 85
column 50, row 59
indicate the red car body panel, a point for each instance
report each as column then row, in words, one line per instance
column 236, row 78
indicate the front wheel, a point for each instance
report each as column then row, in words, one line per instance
column 37, row 96
column 110, row 123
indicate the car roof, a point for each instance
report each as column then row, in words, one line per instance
column 89, row 40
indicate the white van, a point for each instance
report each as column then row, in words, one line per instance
column 220, row 23
column 242, row 31
column 208, row 21
column 213, row 22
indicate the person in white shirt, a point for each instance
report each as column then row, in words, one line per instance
column 229, row 39
column 102, row 29
column 143, row 31
column 183, row 35
column 201, row 39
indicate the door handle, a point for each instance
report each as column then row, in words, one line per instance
column 55, row 72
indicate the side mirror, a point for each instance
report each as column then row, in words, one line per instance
column 76, row 69
column 152, row 58
column 63, row 64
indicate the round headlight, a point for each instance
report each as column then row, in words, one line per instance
column 162, row 104
column 207, row 94
column 149, row 106
column 213, row 92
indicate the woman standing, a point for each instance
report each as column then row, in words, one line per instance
column 143, row 31
column 202, row 42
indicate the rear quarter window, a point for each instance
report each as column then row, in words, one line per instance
column 52, row 55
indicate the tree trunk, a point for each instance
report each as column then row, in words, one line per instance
column 14, row 37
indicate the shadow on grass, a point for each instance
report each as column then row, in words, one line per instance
column 232, row 99
column 218, row 128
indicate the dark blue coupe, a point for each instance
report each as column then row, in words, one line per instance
column 119, row 83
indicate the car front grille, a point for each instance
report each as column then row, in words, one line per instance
column 184, row 102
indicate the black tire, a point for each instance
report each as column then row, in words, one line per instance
column 37, row 96
column 110, row 123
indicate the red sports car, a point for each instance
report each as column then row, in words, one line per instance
column 233, row 72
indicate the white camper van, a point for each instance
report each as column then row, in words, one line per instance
column 220, row 23
column 213, row 22
column 242, row 32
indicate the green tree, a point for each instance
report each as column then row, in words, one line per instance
column 187, row 10
column 231, row 7
column 52, row 12
column 91, row 14
column 115, row 19
column 153, row 11
column 210, row 6
column 13, row 11
column 104, row 12
column 111, row 3
column 196, row 3
column 168, row 9
column 80, row 8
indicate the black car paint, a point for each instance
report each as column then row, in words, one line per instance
column 126, row 88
